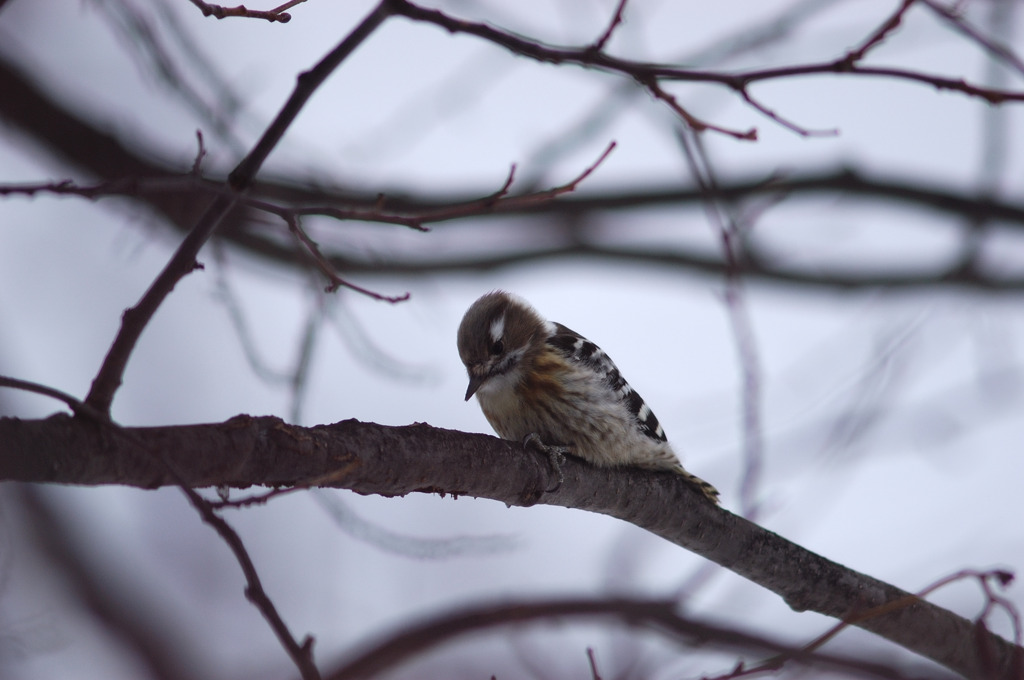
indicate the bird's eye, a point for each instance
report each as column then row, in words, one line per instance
column 498, row 347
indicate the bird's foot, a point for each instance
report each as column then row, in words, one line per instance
column 556, row 457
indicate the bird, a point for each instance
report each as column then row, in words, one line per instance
column 546, row 385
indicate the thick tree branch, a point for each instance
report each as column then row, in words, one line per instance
column 393, row 461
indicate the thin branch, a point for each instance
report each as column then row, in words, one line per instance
column 731, row 234
column 697, row 124
column 984, row 578
column 134, row 186
column 540, row 197
column 77, row 406
column 498, row 200
column 255, row 499
column 649, row 74
column 841, row 67
column 197, row 164
column 146, row 40
column 278, row 14
column 474, row 207
column 135, row 319
column 288, row 5
column 599, row 44
column 327, row 269
column 1003, row 52
column 301, row 654
column 299, row 379
column 594, row 675
column 880, row 34
column 307, row 83
column 799, row 129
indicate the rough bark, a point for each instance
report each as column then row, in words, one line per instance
column 393, row 461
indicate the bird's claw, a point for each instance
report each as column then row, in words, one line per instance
column 555, row 454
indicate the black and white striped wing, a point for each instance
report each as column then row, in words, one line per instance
column 577, row 348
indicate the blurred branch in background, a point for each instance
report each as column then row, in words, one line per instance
column 658, row 617
column 129, row 170
column 571, row 226
column 131, row 621
column 733, row 235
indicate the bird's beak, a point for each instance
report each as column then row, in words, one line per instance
column 475, row 382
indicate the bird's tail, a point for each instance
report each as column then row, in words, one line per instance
column 709, row 491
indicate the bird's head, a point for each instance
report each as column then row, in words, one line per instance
column 496, row 337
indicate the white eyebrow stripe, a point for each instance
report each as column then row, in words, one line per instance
column 498, row 328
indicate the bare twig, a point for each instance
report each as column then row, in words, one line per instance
column 218, row 11
column 327, row 269
column 599, row 44
column 301, row 654
column 197, row 164
column 299, row 382
column 308, row 83
column 841, row 67
column 594, row 675
column 475, row 207
column 139, row 187
column 288, row 5
column 77, row 407
column 146, row 38
column 649, row 74
column 731, row 236
column 135, row 319
column 255, row 499
column 1002, row 51
column 698, row 125
column 985, row 580
column 539, row 197
column 500, row 200
column 880, row 34
column 800, row 130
